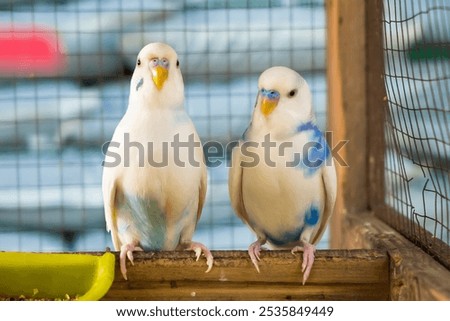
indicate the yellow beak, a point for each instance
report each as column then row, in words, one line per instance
column 160, row 75
column 268, row 105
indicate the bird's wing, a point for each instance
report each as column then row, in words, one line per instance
column 109, row 189
column 329, row 180
column 202, row 191
column 235, row 184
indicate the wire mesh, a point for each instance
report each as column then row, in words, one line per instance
column 64, row 91
column 417, row 79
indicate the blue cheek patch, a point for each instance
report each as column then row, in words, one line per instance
column 312, row 216
column 139, row 84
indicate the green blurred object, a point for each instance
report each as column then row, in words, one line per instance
column 52, row 276
column 425, row 51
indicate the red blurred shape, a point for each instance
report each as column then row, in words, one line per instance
column 30, row 51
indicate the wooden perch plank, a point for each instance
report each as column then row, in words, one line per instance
column 184, row 290
column 336, row 275
column 414, row 274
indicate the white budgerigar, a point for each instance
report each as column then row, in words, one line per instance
column 282, row 181
column 154, row 176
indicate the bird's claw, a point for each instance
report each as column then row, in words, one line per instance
column 209, row 263
column 308, row 259
column 255, row 263
column 254, row 250
column 126, row 250
column 198, row 248
column 130, row 257
column 198, row 252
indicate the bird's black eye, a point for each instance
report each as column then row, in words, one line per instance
column 292, row 93
column 178, row 63
column 139, row 62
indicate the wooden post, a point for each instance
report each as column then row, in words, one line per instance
column 356, row 106
column 376, row 104
column 347, row 106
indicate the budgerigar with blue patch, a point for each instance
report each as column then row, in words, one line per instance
column 154, row 176
column 282, row 180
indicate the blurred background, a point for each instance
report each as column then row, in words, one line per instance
column 65, row 68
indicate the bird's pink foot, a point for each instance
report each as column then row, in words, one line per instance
column 126, row 250
column 308, row 258
column 254, row 250
column 198, row 248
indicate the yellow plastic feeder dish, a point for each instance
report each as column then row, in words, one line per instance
column 52, row 276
